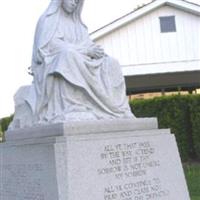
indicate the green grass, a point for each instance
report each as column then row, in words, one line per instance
column 195, row 198
column 192, row 174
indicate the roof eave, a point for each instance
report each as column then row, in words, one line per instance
column 183, row 5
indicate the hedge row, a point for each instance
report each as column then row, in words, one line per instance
column 4, row 123
column 179, row 113
column 195, row 123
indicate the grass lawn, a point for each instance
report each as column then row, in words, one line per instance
column 192, row 174
column 195, row 198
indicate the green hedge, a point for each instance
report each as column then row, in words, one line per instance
column 4, row 123
column 181, row 114
column 1, row 135
column 195, row 122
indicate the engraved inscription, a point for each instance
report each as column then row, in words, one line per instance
column 140, row 190
column 129, row 161
column 24, row 186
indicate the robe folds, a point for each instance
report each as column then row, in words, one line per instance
column 69, row 84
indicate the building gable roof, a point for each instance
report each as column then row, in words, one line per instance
column 155, row 4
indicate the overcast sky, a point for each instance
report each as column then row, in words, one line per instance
column 18, row 19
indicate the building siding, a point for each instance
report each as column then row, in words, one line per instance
column 141, row 41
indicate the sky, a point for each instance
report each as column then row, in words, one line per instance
column 18, row 19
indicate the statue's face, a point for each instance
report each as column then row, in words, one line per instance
column 70, row 5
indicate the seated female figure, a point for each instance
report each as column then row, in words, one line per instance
column 73, row 78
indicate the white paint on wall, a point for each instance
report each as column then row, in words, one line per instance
column 140, row 46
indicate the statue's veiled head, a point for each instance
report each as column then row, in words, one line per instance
column 49, row 20
column 69, row 6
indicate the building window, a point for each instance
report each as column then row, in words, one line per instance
column 167, row 24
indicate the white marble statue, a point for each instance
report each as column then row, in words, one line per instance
column 73, row 78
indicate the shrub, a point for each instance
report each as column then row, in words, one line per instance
column 195, row 122
column 5, row 122
column 179, row 113
column 1, row 134
column 174, row 112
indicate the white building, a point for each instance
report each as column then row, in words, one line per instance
column 158, row 45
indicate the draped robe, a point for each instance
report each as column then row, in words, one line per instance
column 69, row 84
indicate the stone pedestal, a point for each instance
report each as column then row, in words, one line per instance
column 112, row 160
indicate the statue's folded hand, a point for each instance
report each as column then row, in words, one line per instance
column 95, row 52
